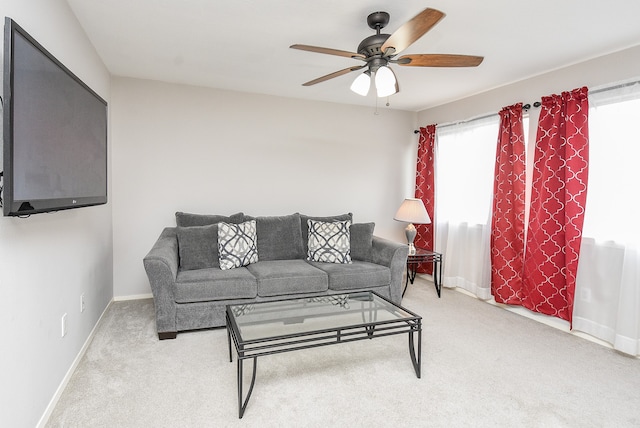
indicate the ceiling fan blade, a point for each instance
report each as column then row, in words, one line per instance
column 328, row 51
column 439, row 60
column 411, row 31
column 332, row 75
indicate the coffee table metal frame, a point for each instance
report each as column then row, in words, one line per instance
column 369, row 328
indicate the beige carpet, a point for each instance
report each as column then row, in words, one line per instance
column 482, row 367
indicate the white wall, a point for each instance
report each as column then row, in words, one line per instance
column 192, row 149
column 616, row 67
column 48, row 260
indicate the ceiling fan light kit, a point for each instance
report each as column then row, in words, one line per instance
column 379, row 50
column 385, row 81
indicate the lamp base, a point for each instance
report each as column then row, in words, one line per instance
column 411, row 232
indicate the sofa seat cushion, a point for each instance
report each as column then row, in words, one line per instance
column 354, row 276
column 203, row 285
column 283, row 277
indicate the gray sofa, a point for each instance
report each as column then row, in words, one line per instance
column 190, row 290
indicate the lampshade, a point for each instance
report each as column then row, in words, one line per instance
column 361, row 84
column 412, row 210
column 386, row 82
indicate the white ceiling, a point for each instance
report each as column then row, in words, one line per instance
column 243, row 45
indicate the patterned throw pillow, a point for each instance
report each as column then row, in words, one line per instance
column 237, row 244
column 329, row 242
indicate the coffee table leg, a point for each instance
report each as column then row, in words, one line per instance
column 229, row 342
column 416, row 354
column 242, row 404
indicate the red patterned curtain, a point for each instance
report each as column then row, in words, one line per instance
column 507, row 221
column 425, row 190
column 558, row 199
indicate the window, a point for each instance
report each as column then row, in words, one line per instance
column 465, row 159
column 606, row 298
column 612, row 211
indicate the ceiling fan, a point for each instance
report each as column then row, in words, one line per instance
column 379, row 50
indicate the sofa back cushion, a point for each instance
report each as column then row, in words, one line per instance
column 305, row 227
column 362, row 241
column 198, row 247
column 279, row 237
column 188, row 219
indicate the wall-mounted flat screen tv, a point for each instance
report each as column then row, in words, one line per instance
column 55, row 132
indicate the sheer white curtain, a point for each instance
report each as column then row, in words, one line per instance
column 465, row 160
column 607, row 298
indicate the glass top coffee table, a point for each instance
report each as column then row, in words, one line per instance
column 267, row 328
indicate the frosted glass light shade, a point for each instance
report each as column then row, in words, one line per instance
column 361, row 84
column 386, row 83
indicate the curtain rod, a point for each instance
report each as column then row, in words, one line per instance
column 538, row 104
column 486, row 116
column 611, row 88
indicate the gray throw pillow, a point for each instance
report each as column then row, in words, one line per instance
column 280, row 237
column 188, row 219
column 362, row 241
column 305, row 227
column 198, row 247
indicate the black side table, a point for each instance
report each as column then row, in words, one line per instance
column 424, row 256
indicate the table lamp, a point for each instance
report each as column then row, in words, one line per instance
column 412, row 211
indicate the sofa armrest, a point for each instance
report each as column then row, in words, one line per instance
column 394, row 256
column 161, row 265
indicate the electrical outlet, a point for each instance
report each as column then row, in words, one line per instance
column 64, row 325
column 82, row 302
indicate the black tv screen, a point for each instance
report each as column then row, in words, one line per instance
column 55, row 132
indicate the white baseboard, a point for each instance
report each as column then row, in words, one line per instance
column 67, row 377
column 133, row 297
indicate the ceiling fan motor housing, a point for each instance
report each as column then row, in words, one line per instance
column 371, row 45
